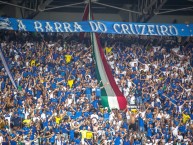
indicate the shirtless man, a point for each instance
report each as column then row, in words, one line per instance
column 132, row 120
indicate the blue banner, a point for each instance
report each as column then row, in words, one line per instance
column 98, row 27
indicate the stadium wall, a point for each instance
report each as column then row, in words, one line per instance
column 57, row 16
column 171, row 18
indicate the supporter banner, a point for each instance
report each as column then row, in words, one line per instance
column 98, row 27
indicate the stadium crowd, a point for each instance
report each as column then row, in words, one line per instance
column 57, row 100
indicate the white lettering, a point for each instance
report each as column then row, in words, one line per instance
column 164, row 30
column 38, row 26
column 115, row 28
column 125, row 29
column 58, row 27
column 157, row 28
column 77, row 27
column 136, row 28
column 93, row 26
column 48, row 27
column 131, row 28
column 21, row 26
column 142, row 30
column 67, row 27
column 151, row 29
column 102, row 27
column 173, row 30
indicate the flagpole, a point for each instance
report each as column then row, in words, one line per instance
column 89, row 14
column 7, row 68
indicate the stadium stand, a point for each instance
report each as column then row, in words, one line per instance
column 58, row 97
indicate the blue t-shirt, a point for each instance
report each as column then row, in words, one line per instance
column 137, row 142
column 117, row 140
column 64, row 128
column 106, row 115
column 71, row 135
column 52, row 139
column 78, row 114
column 98, row 92
column 12, row 142
column 95, row 104
column 77, row 141
column 141, row 122
column 149, row 132
column 88, row 91
column 126, row 142
column 149, row 115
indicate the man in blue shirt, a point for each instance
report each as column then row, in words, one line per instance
column 137, row 142
column 117, row 139
column 88, row 92
column 126, row 141
column 141, row 123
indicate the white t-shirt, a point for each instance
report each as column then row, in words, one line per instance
column 43, row 116
column 1, row 139
column 111, row 64
column 26, row 114
column 126, row 91
column 69, row 101
column 8, row 117
column 51, row 95
column 132, row 100
column 59, row 48
column 94, row 116
column 167, row 116
column 111, row 117
column 129, row 83
column 159, row 116
column 146, row 68
column 27, row 142
column 117, row 71
column 180, row 137
column 175, row 131
column 59, row 142
column 149, row 76
column 180, row 108
column 117, row 80
column 142, row 114
column 34, row 118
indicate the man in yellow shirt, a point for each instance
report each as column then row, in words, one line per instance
column 89, row 135
column 185, row 117
column 108, row 50
column 86, row 134
column 58, row 119
column 68, row 57
column 27, row 121
column 70, row 83
column 33, row 62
